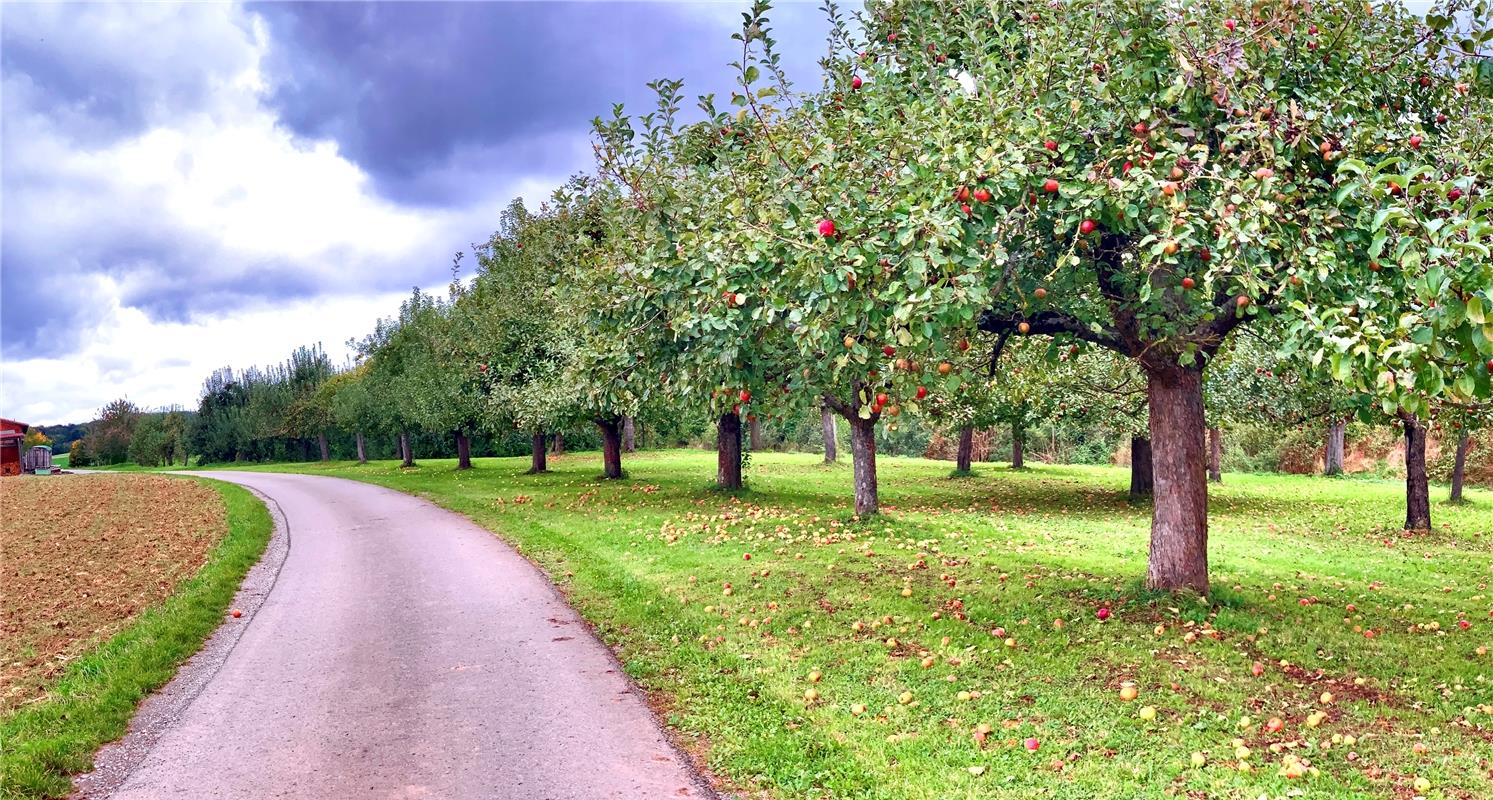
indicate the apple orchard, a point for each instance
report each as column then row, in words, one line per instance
column 983, row 205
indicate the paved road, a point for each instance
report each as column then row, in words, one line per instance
column 405, row 652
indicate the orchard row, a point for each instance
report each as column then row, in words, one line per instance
column 1213, row 208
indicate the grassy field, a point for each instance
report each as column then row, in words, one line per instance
column 952, row 649
column 111, row 581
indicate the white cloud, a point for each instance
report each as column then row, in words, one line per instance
column 178, row 238
column 156, row 364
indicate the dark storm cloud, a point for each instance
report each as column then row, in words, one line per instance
column 106, row 76
column 409, row 89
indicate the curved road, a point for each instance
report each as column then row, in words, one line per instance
column 404, row 652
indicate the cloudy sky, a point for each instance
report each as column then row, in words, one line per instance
column 189, row 187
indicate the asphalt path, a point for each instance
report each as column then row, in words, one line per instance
column 399, row 651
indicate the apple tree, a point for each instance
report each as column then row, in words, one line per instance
column 1189, row 169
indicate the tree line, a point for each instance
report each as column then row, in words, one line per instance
column 1200, row 215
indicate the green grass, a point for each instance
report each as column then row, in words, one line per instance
column 61, row 460
column 44, row 743
column 647, row 559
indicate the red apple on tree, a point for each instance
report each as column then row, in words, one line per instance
column 1050, row 186
column 1087, row 227
column 826, row 227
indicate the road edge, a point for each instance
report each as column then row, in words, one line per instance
column 115, row 761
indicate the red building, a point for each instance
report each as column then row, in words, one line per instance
column 12, row 436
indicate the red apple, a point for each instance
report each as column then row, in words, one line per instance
column 1050, row 145
column 1188, row 283
column 881, row 399
column 889, row 350
column 826, row 227
column 237, row 613
column 1230, row 24
column 965, row 209
column 1102, row 614
column 1040, row 293
column 1241, row 301
column 982, row 195
column 1140, row 128
column 1087, row 227
column 922, row 392
column 1415, row 141
column 1205, row 255
column 1454, row 195
column 855, row 83
column 1032, row 744
column 963, row 345
column 1050, row 186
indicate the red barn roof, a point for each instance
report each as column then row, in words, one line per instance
column 10, row 429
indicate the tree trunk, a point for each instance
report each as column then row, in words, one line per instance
column 629, row 435
column 1215, row 455
column 404, row 450
column 728, row 451
column 1459, row 466
column 463, row 451
column 557, row 447
column 1141, row 486
column 1018, row 446
column 326, row 451
column 611, row 447
column 305, row 449
column 827, row 423
column 863, row 456
column 756, row 432
column 1179, row 517
column 1417, row 487
column 362, row 450
column 1332, row 460
column 966, row 448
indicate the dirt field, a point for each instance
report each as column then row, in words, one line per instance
column 82, row 554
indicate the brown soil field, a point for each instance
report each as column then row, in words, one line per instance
column 80, row 555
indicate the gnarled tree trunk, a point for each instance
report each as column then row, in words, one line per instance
column 405, row 452
column 966, row 448
column 537, row 461
column 629, row 435
column 362, row 449
column 1417, row 486
column 1215, row 455
column 1332, row 459
column 1459, row 465
column 728, row 451
column 827, row 423
column 557, row 447
column 1018, row 446
column 611, row 447
column 1141, row 484
column 863, row 456
column 321, row 440
column 463, row 451
column 1179, row 518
